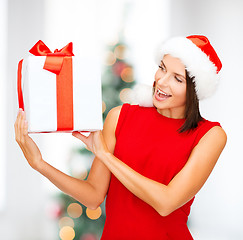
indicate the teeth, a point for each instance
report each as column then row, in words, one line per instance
column 159, row 91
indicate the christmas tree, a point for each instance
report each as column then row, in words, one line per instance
column 75, row 220
column 117, row 78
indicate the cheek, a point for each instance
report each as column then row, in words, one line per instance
column 180, row 92
column 156, row 76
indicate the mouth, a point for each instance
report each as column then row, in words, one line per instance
column 160, row 95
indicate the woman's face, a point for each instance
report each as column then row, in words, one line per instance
column 170, row 88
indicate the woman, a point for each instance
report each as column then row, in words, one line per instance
column 150, row 161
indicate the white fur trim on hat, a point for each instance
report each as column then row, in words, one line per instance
column 196, row 62
column 142, row 95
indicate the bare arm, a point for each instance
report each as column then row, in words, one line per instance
column 165, row 199
column 90, row 192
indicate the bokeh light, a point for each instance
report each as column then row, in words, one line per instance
column 67, row 233
column 66, row 221
column 103, row 106
column 74, row 210
column 120, row 51
column 114, row 40
column 54, row 209
column 125, row 95
column 94, row 214
column 89, row 236
column 110, row 58
column 127, row 74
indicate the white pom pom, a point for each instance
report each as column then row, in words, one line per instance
column 142, row 95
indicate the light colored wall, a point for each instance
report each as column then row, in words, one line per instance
column 91, row 25
column 3, row 65
column 217, row 212
column 24, row 215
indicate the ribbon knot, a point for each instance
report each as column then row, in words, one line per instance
column 54, row 61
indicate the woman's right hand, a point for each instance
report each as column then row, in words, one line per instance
column 26, row 143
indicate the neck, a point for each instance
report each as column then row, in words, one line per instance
column 171, row 114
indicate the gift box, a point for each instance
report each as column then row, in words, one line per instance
column 60, row 92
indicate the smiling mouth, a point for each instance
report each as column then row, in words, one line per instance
column 162, row 95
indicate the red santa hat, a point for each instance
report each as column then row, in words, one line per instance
column 200, row 59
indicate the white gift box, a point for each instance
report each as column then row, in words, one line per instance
column 39, row 89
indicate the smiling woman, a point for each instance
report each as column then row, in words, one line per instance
column 187, row 87
column 170, row 86
column 143, row 160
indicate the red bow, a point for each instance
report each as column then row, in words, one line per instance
column 54, row 61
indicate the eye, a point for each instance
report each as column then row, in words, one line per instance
column 162, row 68
column 178, row 79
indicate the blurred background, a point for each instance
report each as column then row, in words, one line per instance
column 125, row 35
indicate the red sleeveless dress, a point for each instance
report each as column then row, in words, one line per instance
column 150, row 144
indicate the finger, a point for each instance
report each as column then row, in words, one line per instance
column 80, row 136
column 25, row 128
column 17, row 125
column 19, row 114
column 22, row 118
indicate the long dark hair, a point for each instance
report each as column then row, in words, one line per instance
column 192, row 113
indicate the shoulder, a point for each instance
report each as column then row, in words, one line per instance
column 215, row 136
column 208, row 130
column 109, row 127
column 113, row 115
column 115, row 112
column 217, row 133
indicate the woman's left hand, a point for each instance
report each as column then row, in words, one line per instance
column 95, row 142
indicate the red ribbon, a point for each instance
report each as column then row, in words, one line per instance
column 19, row 85
column 59, row 63
column 54, row 61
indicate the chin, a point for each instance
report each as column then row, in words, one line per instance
column 154, row 102
column 157, row 104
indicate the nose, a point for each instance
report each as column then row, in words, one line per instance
column 163, row 79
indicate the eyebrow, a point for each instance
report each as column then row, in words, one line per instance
column 174, row 72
